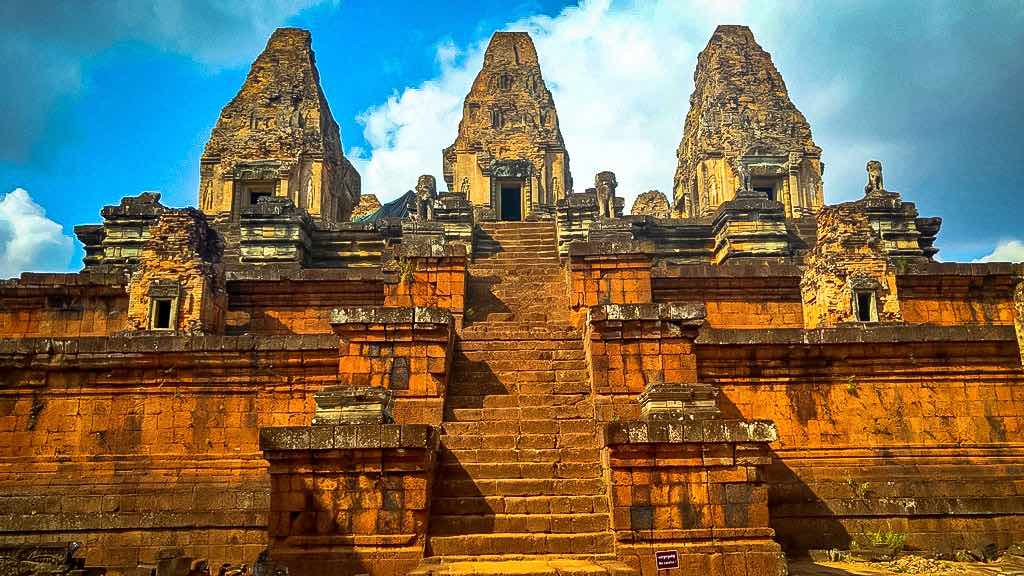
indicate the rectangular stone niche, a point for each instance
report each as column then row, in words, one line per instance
column 350, row 498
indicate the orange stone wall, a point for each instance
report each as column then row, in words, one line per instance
column 754, row 314
column 609, row 279
column 279, row 308
column 130, row 445
column 91, row 316
column 429, row 282
column 409, row 358
column 358, row 494
column 916, row 430
column 708, row 501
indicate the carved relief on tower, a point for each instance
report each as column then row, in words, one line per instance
column 509, row 116
column 278, row 137
column 741, row 116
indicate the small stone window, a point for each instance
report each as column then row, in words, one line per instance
column 496, row 120
column 161, row 314
column 505, row 82
column 865, row 306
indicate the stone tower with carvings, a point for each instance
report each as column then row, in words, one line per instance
column 277, row 138
column 741, row 120
column 509, row 156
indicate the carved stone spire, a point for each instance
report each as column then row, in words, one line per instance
column 509, row 133
column 741, row 119
column 278, row 137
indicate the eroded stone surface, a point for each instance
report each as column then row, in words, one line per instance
column 277, row 137
column 651, row 203
column 509, row 133
column 368, row 204
column 741, row 119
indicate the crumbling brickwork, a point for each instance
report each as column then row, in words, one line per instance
column 847, row 260
column 651, row 203
column 180, row 266
column 429, row 393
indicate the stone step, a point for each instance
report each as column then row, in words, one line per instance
column 521, row 487
column 482, row 409
column 532, row 565
column 522, row 426
column 446, row 525
column 522, row 543
column 520, row 441
column 525, row 505
column 483, row 455
column 484, row 338
column 455, row 470
column 499, row 385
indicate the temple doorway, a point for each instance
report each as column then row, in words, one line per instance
column 511, row 202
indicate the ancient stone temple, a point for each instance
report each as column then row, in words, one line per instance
column 742, row 124
column 509, row 158
column 439, row 388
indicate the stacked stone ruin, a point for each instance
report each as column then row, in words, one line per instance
column 509, row 376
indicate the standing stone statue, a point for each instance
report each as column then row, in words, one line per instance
column 745, row 177
column 605, row 184
column 426, row 192
column 874, row 177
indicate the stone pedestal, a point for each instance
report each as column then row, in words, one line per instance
column 575, row 214
column 340, row 404
column 426, row 272
column 696, row 487
column 349, row 498
column 751, row 224
column 611, row 272
column 274, row 230
column 634, row 346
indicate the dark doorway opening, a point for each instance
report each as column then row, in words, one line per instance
column 511, row 202
column 768, row 191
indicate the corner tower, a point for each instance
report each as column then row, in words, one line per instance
column 742, row 120
column 509, row 156
column 277, row 137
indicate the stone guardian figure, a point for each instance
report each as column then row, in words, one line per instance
column 874, row 177
column 426, row 192
column 605, row 185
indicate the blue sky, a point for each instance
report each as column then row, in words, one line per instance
column 107, row 99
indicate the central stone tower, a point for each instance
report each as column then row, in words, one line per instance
column 742, row 124
column 509, row 158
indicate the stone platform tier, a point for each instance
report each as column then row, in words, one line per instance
column 520, row 486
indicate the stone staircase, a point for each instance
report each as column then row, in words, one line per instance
column 520, row 486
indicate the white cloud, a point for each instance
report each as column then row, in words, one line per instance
column 29, row 241
column 1006, row 251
